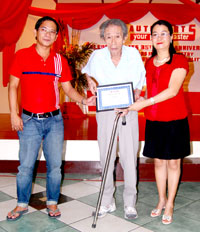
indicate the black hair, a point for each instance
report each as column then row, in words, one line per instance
column 171, row 47
column 46, row 18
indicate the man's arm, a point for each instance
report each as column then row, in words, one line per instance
column 73, row 94
column 16, row 121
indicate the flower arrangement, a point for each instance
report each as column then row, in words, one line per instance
column 76, row 55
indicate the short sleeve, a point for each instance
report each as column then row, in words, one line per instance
column 181, row 62
column 16, row 66
column 89, row 68
column 66, row 72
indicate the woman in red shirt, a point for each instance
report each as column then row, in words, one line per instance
column 167, row 137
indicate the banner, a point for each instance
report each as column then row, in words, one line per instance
column 186, row 41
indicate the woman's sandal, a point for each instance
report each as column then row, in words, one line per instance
column 166, row 219
column 156, row 212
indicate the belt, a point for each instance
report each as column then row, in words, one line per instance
column 45, row 115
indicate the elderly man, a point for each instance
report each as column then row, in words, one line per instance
column 114, row 64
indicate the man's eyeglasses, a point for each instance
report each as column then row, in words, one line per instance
column 45, row 30
column 162, row 35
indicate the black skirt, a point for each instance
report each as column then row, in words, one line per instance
column 167, row 140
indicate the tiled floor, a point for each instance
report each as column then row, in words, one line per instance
column 78, row 199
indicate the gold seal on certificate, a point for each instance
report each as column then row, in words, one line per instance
column 114, row 96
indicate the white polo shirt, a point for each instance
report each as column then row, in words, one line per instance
column 129, row 69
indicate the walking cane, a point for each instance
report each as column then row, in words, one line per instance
column 105, row 171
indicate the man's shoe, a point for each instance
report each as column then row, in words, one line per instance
column 106, row 209
column 130, row 213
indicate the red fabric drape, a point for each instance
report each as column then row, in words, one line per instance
column 130, row 12
column 8, row 54
column 13, row 15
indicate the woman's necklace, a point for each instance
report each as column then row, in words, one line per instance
column 163, row 60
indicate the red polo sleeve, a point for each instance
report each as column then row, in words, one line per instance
column 66, row 72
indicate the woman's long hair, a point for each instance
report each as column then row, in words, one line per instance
column 171, row 47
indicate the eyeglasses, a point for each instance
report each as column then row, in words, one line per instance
column 162, row 35
column 45, row 30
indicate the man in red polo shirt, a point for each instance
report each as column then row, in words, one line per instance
column 38, row 69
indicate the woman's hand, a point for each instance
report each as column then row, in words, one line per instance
column 137, row 106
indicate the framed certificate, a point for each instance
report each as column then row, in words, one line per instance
column 114, row 96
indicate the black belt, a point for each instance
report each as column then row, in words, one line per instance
column 45, row 115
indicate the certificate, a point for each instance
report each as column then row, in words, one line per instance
column 114, row 96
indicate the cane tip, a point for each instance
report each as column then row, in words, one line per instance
column 93, row 225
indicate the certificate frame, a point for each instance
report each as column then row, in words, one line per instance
column 113, row 96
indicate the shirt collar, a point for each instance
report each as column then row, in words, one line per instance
column 52, row 52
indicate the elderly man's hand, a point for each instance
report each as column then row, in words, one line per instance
column 123, row 112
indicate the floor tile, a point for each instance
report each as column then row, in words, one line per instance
column 40, row 180
column 142, row 209
column 12, row 189
column 70, row 178
column 78, row 199
column 94, row 182
column 189, row 190
column 78, row 190
column 90, row 199
column 38, row 200
column 4, row 197
column 65, row 229
column 7, row 179
column 152, row 200
column 32, row 222
column 179, row 224
column 190, row 211
column 115, row 224
column 74, row 211
column 97, row 182
column 146, row 188
column 2, row 230
column 7, row 206
column 141, row 229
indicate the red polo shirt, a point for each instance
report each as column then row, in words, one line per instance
column 39, row 79
column 158, row 80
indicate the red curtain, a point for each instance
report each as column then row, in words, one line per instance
column 13, row 15
column 175, row 13
column 8, row 54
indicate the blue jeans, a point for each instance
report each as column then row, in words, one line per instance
column 51, row 131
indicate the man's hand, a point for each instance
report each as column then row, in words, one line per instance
column 91, row 101
column 16, row 122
